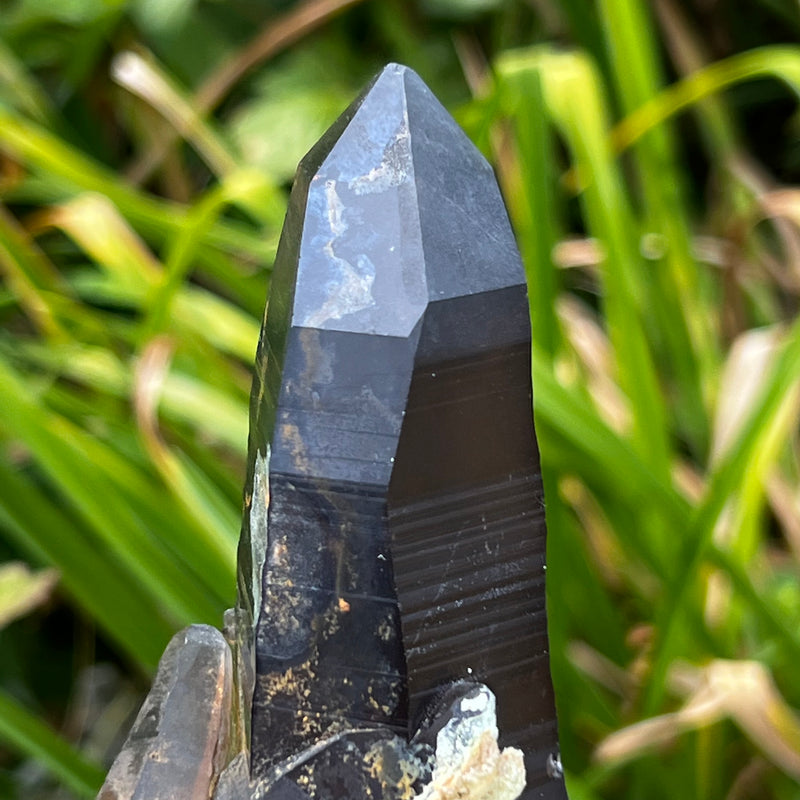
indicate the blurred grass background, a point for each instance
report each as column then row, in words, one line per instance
column 650, row 157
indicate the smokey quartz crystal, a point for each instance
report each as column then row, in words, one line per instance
column 390, row 637
column 393, row 540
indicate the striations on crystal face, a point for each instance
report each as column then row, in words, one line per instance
column 394, row 537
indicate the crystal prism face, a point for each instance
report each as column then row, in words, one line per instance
column 394, row 538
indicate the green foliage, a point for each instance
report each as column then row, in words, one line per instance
column 145, row 151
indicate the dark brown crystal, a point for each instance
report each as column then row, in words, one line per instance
column 394, row 535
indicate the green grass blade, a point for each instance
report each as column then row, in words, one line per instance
column 144, row 78
column 65, row 453
column 724, row 484
column 575, row 101
column 157, row 217
column 29, row 736
column 610, row 460
column 533, row 203
column 33, row 281
column 225, row 323
column 779, row 62
column 40, row 527
column 773, row 621
column 134, row 277
column 20, row 89
column 218, row 415
column 677, row 295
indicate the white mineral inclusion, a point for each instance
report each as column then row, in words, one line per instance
column 469, row 763
column 393, row 169
column 259, row 505
column 350, row 288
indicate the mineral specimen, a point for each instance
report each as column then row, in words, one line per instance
column 394, row 535
column 176, row 747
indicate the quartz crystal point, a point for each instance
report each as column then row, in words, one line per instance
column 394, row 532
column 179, row 741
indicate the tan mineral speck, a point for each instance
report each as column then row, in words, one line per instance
column 382, row 708
column 386, row 630
column 374, row 704
column 307, row 780
column 394, row 784
column 292, row 436
column 280, row 554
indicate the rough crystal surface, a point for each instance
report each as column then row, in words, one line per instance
column 178, row 742
column 394, row 476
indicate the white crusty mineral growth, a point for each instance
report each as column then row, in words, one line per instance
column 469, row 763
